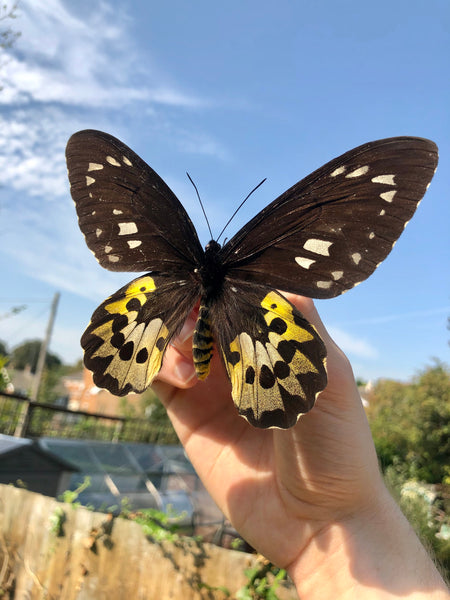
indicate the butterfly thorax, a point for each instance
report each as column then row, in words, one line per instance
column 211, row 272
column 211, row 276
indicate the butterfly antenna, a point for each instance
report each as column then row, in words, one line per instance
column 201, row 203
column 240, row 206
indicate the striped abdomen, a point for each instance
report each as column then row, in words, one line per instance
column 202, row 343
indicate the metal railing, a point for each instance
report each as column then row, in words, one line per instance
column 22, row 417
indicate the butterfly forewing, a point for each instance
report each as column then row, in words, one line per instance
column 331, row 230
column 130, row 218
column 275, row 359
column 126, row 339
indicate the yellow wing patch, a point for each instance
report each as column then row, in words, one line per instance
column 276, row 370
column 125, row 342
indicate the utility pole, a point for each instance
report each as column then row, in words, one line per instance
column 25, row 414
column 43, row 351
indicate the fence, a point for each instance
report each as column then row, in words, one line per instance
column 20, row 416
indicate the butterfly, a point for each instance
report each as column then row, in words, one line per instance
column 323, row 236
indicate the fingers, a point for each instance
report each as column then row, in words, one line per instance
column 178, row 367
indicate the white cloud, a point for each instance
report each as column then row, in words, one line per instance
column 354, row 346
column 65, row 58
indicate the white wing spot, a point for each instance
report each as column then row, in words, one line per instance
column 318, row 246
column 127, row 228
column 304, row 262
column 382, row 212
column 93, row 213
column 358, row 172
column 356, row 258
column 406, row 223
column 113, row 258
column 371, row 235
column 127, row 161
column 134, row 243
column 108, row 249
column 98, row 232
column 95, row 167
column 324, row 285
column 233, row 289
column 336, row 275
column 89, row 180
column 338, row 171
column 116, row 211
column 388, row 196
column 112, row 161
column 386, row 179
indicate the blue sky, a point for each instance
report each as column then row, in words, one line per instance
column 231, row 92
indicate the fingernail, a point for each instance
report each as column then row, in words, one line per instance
column 184, row 370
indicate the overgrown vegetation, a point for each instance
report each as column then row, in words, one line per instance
column 410, row 424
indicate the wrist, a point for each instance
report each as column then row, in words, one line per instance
column 372, row 554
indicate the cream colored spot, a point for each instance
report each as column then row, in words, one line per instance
column 336, row 275
column 108, row 249
column 116, row 211
column 338, row 171
column 95, row 167
column 127, row 161
column 388, row 196
column 89, row 180
column 382, row 213
column 358, row 172
column 134, row 243
column 113, row 258
column 304, row 262
column 98, row 232
column 112, row 161
column 356, row 258
column 127, row 228
column 386, row 179
column 371, row 235
column 94, row 212
column 324, row 285
column 318, row 246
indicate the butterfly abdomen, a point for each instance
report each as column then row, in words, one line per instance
column 202, row 343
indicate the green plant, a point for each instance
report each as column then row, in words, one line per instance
column 263, row 581
column 157, row 525
column 57, row 520
column 424, row 507
column 71, row 496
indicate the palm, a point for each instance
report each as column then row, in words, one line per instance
column 292, row 481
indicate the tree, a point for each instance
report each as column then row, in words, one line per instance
column 27, row 354
column 3, row 348
column 8, row 36
column 410, row 424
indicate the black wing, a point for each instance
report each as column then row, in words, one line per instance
column 130, row 218
column 331, row 230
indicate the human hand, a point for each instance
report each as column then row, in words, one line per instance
column 294, row 481
column 310, row 498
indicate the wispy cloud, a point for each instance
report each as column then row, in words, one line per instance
column 351, row 345
column 75, row 61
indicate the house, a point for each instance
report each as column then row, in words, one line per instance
column 85, row 396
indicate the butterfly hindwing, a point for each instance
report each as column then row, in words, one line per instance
column 331, row 230
column 131, row 219
column 127, row 337
column 275, row 359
